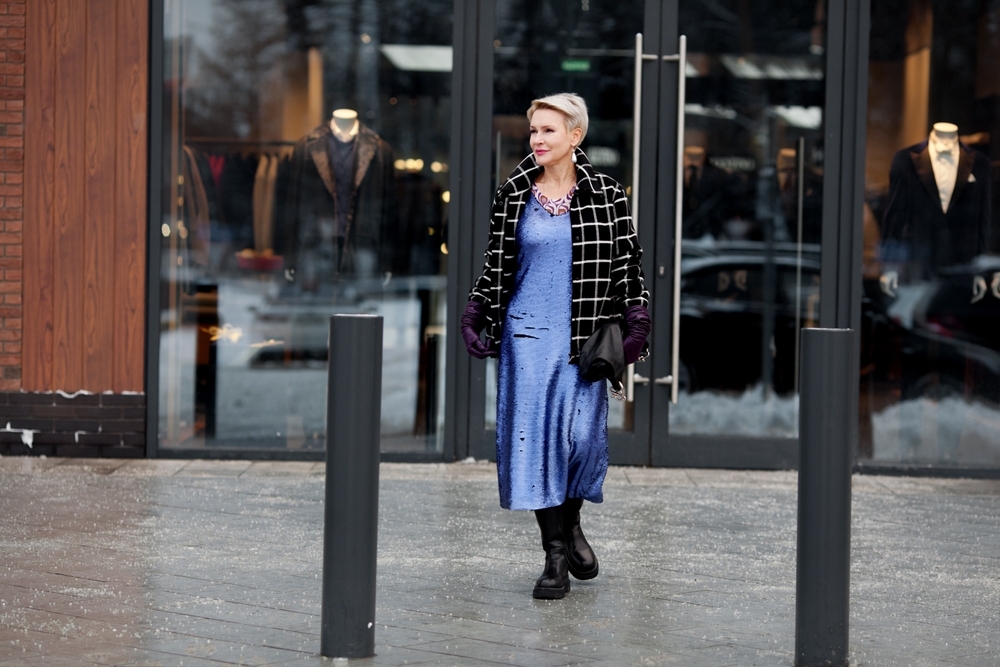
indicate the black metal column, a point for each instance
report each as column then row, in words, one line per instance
column 822, row 592
column 350, row 534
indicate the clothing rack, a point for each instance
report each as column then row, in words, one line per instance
column 233, row 141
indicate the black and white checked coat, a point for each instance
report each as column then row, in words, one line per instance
column 607, row 270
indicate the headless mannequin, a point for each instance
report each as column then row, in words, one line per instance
column 344, row 124
column 787, row 166
column 694, row 156
column 703, row 199
column 943, row 139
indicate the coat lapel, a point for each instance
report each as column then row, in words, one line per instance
column 317, row 149
column 922, row 164
column 367, row 146
column 965, row 160
column 366, row 149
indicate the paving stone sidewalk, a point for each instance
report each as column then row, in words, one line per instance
column 111, row 562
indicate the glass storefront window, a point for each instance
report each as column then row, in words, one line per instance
column 752, row 213
column 930, row 357
column 306, row 148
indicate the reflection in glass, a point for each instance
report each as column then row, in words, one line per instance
column 752, row 212
column 305, row 162
column 930, row 357
column 547, row 47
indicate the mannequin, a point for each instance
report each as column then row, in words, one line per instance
column 705, row 198
column 939, row 209
column 345, row 124
column 341, row 203
column 787, row 166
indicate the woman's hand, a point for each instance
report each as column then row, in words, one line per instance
column 638, row 325
column 473, row 321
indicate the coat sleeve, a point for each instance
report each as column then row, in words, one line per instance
column 483, row 288
column 626, row 266
column 896, row 229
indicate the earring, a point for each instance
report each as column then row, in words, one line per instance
column 573, row 156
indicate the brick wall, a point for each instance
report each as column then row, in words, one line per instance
column 59, row 424
column 12, row 27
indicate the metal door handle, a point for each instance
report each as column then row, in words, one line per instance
column 632, row 378
column 675, row 343
column 800, row 168
column 681, row 58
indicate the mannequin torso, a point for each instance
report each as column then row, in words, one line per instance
column 943, row 148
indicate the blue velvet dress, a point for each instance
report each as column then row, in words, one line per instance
column 552, row 426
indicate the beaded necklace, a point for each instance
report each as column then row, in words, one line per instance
column 553, row 206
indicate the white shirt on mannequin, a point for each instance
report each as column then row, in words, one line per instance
column 944, row 162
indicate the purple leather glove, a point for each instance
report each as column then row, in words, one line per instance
column 638, row 324
column 473, row 321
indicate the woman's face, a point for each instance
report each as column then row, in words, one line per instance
column 551, row 142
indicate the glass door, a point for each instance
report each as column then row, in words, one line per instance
column 725, row 173
column 586, row 47
column 738, row 228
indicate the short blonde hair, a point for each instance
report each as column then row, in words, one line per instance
column 569, row 105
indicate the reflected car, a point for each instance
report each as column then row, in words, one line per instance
column 740, row 309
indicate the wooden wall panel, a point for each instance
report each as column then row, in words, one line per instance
column 39, row 173
column 85, row 195
column 99, row 210
column 67, row 270
column 130, row 213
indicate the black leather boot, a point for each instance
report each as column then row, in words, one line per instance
column 554, row 582
column 581, row 557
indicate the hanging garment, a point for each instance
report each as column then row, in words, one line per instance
column 195, row 217
column 259, row 206
column 236, row 188
column 217, row 163
column 282, row 181
column 266, row 239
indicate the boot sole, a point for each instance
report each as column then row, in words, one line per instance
column 550, row 593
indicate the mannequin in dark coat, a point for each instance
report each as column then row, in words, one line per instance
column 916, row 233
column 707, row 196
column 318, row 253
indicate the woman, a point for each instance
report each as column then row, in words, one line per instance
column 562, row 260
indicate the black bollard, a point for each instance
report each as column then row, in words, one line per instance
column 822, row 594
column 350, row 532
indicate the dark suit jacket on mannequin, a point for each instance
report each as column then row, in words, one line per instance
column 317, row 254
column 916, row 233
column 706, row 202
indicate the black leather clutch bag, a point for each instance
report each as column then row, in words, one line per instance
column 603, row 357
